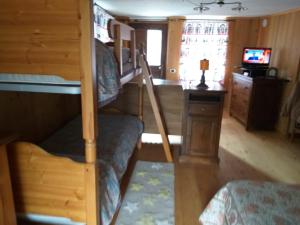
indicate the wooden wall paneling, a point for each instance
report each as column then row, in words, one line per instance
column 34, row 116
column 245, row 34
column 46, row 184
column 171, row 101
column 229, row 63
column 282, row 34
column 128, row 99
column 141, row 38
column 40, row 37
column 7, row 206
column 242, row 33
column 175, row 27
column 263, row 31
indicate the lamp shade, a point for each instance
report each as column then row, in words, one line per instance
column 204, row 64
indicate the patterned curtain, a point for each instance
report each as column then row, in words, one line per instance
column 101, row 18
column 203, row 39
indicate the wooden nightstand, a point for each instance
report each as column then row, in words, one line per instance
column 201, row 122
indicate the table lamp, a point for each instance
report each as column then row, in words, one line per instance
column 204, row 65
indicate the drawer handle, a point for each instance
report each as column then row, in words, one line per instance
column 202, row 109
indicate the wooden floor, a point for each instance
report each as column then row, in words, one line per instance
column 243, row 155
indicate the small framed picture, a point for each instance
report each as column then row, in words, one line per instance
column 272, row 72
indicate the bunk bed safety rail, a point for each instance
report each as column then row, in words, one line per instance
column 120, row 32
column 38, row 83
column 125, row 30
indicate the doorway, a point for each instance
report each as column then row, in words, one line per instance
column 154, row 38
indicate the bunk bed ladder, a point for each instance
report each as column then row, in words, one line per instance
column 155, row 106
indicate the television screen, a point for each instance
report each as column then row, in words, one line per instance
column 256, row 56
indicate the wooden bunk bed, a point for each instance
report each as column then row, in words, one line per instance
column 49, row 47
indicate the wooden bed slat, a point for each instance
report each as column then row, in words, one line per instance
column 133, row 48
column 130, row 76
column 46, row 184
column 92, row 194
column 118, row 46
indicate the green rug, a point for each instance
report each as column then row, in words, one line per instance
column 149, row 199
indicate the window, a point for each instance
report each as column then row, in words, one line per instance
column 154, row 45
column 203, row 39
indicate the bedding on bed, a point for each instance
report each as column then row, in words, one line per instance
column 254, row 203
column 116, row 142
column 108, row 76
column 126, row 59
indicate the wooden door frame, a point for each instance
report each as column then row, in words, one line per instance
column 161, row 25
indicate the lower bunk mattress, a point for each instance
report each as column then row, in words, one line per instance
column 118, row 135
column 254, row 203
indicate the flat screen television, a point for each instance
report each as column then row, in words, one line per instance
column 256, row 57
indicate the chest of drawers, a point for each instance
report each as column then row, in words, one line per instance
column 255, row 101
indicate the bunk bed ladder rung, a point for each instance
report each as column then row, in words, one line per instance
column 155, row 106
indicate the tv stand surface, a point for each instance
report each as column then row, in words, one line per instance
column 255, row 71
column 255, row 101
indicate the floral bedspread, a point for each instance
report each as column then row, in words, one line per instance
column 254, row 203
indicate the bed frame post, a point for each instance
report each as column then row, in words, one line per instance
column 133, row 48
column 7, row 206
column 141, row 105
column 89, row 111
column 118, row 46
